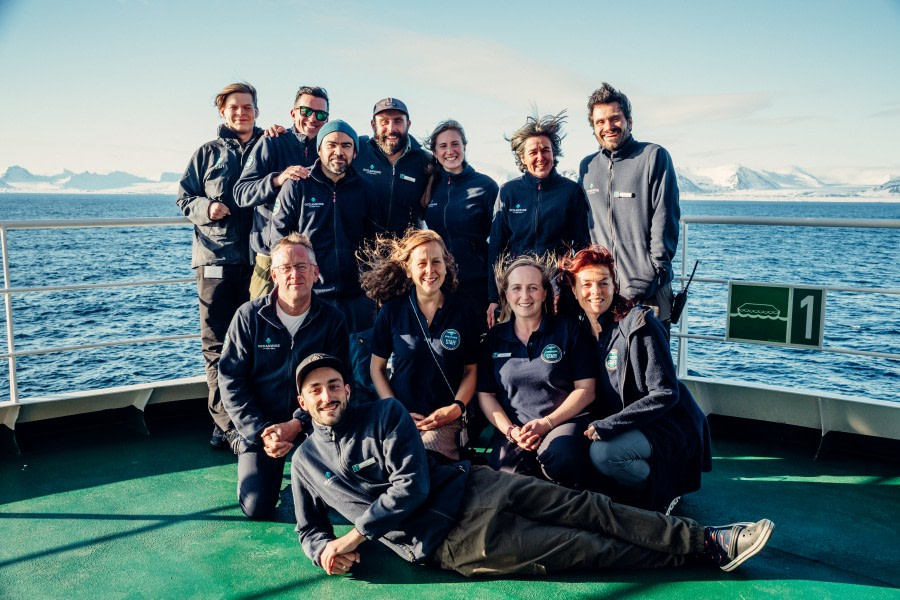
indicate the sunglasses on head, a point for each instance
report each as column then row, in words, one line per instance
column 321, row 115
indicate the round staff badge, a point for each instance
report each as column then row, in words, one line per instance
column 551, row 353
column 450, row 339
column 612, row 360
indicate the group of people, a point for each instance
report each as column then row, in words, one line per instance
column 418, row 284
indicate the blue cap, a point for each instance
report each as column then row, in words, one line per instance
column 337, row 125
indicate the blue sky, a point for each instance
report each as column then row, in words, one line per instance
column 107, row 85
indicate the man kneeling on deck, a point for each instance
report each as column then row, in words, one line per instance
column 267, row 338
column 367, row 462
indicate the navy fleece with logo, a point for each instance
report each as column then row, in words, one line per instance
column 256, row 371
column 255, row 188
column 399, row 187
column 536, row 216
column 337, row 217
column 453, row 336
column 460, row 211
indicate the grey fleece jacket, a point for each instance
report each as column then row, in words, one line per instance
column 372, row 468
column 634, row 211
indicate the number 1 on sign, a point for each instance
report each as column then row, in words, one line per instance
column 807, row 303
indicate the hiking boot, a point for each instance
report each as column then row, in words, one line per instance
column 218, row 440
column 729, row 546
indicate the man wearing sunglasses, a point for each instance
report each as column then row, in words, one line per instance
column 397, row 165
column 272, row 162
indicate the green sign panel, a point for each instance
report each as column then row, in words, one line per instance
column 776, row 314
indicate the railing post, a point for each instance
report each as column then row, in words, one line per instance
column 7, row 301
column 682, row 322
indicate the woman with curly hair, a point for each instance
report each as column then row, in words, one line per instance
column 541, row 211
column 536, row 380
column 430, row 330
column 651, row 441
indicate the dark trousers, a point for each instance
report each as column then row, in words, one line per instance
column 259, row 482
column 562, row 456
column 513, row 524
column 220, row 297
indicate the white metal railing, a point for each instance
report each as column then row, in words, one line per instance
column 11, row 354
column 682, row 332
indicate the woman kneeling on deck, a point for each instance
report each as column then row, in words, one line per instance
column 431, row 331
column 535, row 380
column 653, row 440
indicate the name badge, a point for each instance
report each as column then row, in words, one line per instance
column 213, row 272
column 624, row 194
column 407, row 178
column 366, row 463
column 502, row 354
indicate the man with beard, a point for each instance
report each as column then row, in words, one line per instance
column 337, row 209
column 367, row 462
column 274, row 161
column 397, row 165
column 220, row 251
column 633, row 198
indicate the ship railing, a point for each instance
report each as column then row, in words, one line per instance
column 826, row 411
column 792, row 405
column 17, row 409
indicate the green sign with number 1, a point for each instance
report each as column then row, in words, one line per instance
column 776, row 314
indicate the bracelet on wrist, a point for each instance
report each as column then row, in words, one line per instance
column 549, row 422
column 461, row 405
column 509, row 434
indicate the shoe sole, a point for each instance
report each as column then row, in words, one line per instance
column 767, row 528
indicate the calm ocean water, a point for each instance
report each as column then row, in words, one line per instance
column 866, row 258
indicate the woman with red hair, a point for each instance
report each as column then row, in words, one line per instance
column 652, row 441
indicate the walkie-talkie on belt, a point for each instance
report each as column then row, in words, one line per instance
column 680, row 298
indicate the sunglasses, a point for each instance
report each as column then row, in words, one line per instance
column 321, row 115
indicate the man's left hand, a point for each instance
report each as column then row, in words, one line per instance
column 339, row 555
column 275, row 130
column 278, row 439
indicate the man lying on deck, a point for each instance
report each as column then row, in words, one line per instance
column 367, row 462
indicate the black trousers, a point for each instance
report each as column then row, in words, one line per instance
column 220, row 297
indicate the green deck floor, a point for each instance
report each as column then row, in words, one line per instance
column 111, row 514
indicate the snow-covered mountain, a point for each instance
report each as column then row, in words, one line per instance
column 892, row 186
column 733, row 181
column 19, row 179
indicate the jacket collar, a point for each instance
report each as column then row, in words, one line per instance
column 269, row 312
column 231, row 138
column 534, row 182
column 622, row 151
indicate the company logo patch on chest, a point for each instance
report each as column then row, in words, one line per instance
column 372, row 170
column 612, row 360
column 551, row 353
column 450, row 339
column 313, row 203
column 518, row 210
column 268, row 345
